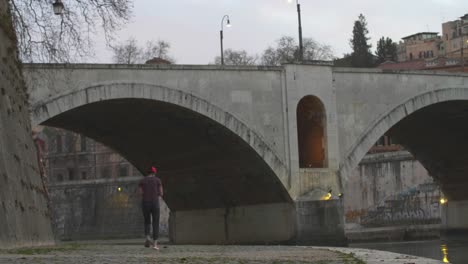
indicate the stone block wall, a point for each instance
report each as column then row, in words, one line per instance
column 391, row 189
column 320, row 222
column 100, row 209
column 24, row 216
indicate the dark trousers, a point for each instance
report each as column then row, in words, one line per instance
column 151, row 210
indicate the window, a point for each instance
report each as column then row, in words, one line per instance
column 60, row 177
column 58, row 143
column 123, row 170
column 82, row 143
column 311, row 123
column 84, row 175
column 391, row 141
column 380, row 141
column 69, row 142
column 411, row 56
column 71, row 174
column 105, row 172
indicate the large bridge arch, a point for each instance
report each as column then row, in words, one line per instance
column 65, row 110
column 401, row 118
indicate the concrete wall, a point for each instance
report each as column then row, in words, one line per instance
column 390, row 189
column 320, row 222
column 24, row 216
column 258, row 224
column 96, row 209
column 454, row 216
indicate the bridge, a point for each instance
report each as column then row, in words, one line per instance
column 250, row 154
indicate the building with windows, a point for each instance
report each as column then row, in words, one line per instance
column 455, row 37
column 429, row 51
column 93, row 190
column 421, row 45
column 71, row 157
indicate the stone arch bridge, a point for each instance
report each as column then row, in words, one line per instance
column 235, row 167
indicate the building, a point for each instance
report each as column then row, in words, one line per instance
column 93, row 191
column 455, row 37
column 421, row 45
column 73, row 157
column 429, row 51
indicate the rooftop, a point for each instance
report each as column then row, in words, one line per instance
column 433, row 34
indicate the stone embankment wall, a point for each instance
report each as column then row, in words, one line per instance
column 100, row 209
column 391, row 189
column 24, row 216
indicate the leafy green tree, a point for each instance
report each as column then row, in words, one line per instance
column 361, row 55
column 386, row 50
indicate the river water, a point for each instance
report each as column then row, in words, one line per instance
column 449, row 250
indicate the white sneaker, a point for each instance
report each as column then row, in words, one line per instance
column 156, row 245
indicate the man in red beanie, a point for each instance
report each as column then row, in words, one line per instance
column 151, row 189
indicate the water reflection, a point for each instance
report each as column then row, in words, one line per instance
column 444, row 250
column 450, row 250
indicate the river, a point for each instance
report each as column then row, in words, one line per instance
column 449, row 249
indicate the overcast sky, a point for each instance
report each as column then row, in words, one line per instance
column 192, row 26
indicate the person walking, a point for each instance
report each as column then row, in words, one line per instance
column 151, row 189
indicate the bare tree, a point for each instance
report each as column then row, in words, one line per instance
column 130, row 53
column 157, row 49
column 45, row 37
column 236, row 57
column 287, row 51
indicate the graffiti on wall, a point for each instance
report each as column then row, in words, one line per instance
column 417, row 205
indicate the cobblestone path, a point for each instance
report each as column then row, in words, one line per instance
column 169, row 254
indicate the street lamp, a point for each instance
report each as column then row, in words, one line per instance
column 301, row 48
column 228, row 24
column 58, row 7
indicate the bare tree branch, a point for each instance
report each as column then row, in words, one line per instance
column 130, row 53
column 287, row 51
column 46, row 37
column 236, row 57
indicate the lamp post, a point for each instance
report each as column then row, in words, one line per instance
column 58, row 7
column 301, row 47
column 228, row 24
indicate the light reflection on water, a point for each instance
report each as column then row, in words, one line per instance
column 448, row 250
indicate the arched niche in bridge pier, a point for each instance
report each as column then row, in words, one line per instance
column 311, row 127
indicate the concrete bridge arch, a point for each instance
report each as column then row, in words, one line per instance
column 414, row 123
column 65, row 109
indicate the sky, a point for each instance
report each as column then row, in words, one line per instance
column 192, row 26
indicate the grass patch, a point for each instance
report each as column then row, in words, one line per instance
column 351, row 258
column 44, row 250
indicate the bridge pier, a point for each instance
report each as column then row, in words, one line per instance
column 255, row 224
column 307, row 222
column 320, row 223
column 454, row 216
